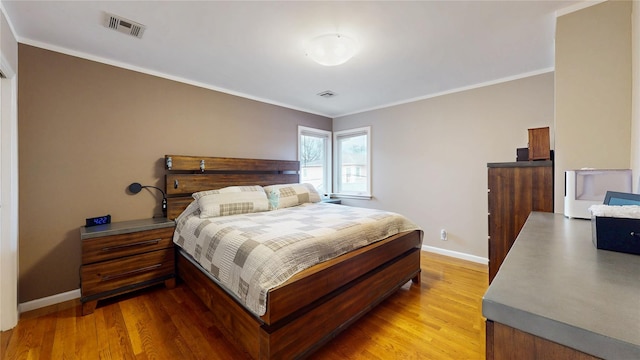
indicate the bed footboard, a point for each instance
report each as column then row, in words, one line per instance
column 321, row 322
column 304, row 330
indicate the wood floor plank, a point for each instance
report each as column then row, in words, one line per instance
column 130, row 323
column 192, row 334
column 86, row 344
column 103, row 349
column 114, row 335
column 5, row 336
column 46, row 335
column 440, row 318
column 147, row 329
column 168, row 332
column 18, row 346
column 65, row 335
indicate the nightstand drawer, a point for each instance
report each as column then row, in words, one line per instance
column 116, row 246
column 114, row 274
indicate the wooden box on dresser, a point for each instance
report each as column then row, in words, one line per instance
column 125, row 256
column 515, row 189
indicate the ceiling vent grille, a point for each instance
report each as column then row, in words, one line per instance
column 327, row 94
column 124, row 26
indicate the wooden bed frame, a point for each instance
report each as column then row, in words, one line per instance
column 314, row 305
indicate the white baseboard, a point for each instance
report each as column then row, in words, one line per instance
column 49, row 300
column 455, row 254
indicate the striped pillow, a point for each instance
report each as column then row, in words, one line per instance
column 228, row 189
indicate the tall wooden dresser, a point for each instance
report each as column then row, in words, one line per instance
column 515, row 189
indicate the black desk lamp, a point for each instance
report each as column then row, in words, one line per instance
column 136, row 188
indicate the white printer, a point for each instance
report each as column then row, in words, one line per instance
column 586, row 187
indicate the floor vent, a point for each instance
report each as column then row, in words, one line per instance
column 327, row 94
column 124, row 26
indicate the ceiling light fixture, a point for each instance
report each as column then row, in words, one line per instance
column 326, row 94
column 331, row 49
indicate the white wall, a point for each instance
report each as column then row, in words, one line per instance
column 8, row 177
column 429, row 157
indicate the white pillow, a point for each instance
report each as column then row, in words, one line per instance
column 228, row 189
column 231, row 201
column 287, row 195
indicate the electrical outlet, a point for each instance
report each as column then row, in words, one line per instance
column 443, row 235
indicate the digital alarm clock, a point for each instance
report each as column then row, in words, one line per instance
column 100, row 220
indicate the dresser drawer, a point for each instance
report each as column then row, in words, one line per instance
column 116, row 246
column 114, row 274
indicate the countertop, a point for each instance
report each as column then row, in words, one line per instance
column 556, row 285
column 124, row 227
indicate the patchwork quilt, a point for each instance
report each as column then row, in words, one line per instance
column 250, row 254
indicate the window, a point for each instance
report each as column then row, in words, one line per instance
column 314, row 154
column 353, row 162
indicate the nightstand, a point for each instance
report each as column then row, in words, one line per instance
column 125, row 256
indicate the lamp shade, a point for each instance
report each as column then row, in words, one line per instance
column 135, row 188
column 331, row 49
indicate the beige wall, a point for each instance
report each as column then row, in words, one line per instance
column 429, row 157
column 87, row 130
column 593, row 90
column 635, row 92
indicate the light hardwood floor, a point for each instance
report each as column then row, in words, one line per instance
column 440, row 319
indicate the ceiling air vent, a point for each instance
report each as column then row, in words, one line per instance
column 123, row 25
column 327, row 94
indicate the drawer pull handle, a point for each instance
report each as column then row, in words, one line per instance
column 633, row 233
column 127, row 273
column 124, row 246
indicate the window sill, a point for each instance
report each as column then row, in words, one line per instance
column 351, row 196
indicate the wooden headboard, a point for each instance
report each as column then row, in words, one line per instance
column 189, row 174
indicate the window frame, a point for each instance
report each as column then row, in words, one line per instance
column 337, row 162
column 327, row 165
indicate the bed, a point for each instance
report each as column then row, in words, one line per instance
column 312, row 306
